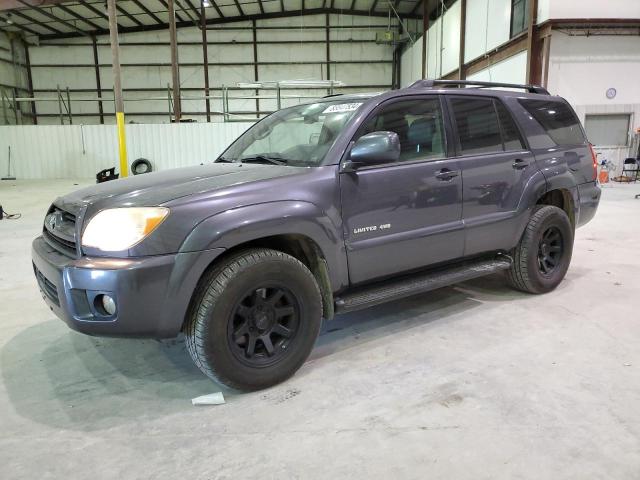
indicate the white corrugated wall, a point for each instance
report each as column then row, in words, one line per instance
column 80, row 151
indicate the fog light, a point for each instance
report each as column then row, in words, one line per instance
column 109, row 304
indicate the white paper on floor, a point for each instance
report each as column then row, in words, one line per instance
column 211, row 399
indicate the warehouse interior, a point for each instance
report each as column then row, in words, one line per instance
column 466, row 381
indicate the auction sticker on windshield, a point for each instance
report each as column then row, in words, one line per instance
column 342, row 107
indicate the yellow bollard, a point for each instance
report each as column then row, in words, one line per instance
column 122, row 145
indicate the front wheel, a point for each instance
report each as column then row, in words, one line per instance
column 254, row 319
column 542, row 258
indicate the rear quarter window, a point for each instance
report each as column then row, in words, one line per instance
column 557, row 119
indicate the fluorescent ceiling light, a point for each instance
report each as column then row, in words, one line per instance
column 293, row 84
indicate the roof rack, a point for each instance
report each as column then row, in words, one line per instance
column 472, row 83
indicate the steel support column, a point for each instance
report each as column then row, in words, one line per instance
column 533, row 45
column 175, row 69
column 328, row 43
column 546, row 50
column 205, row 60
column 98, row 82
column 255, row 64
column 463, row 34
column 425, row 28
column 117, row 87
column 27, row 60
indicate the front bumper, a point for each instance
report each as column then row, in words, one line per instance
column 152, row 294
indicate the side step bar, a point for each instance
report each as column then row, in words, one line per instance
column 418, row 283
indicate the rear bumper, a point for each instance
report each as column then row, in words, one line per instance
column 589, row 195
column 152, row 294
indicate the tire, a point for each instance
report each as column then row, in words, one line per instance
column 537, row 268
column 141, row 166
column 254, row 298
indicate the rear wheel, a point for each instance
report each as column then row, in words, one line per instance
column 254, row 320
column 542, row 258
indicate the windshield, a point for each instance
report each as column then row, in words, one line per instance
column 297, row 136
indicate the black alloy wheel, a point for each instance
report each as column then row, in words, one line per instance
column 253, row 319
column 542, row 257
column 264, row 322
column 550, row 250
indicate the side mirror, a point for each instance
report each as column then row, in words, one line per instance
column 374, row 148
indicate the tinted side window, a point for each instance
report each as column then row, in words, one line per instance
column 477, row 122
column 417, row 122
column 557, row 119
column 510, row 134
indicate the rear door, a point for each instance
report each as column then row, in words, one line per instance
column 495, row 165
column 561, row 146
column 408, row 214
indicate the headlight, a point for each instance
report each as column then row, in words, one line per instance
column 121, row 228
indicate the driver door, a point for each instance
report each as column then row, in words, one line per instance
column 404, row 215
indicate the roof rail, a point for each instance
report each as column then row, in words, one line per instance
column 472, row 83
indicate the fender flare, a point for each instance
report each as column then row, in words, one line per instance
column 565, row 181
column 240, row 225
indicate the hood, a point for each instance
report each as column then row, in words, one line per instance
column 161, row 187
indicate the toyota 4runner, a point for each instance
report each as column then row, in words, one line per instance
column 319, row 209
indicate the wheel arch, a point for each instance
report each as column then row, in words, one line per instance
column 300, row 246
column 562, row 198
column 281, row 223
column 298, row 228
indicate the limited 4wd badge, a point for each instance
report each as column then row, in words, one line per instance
column 372, row 228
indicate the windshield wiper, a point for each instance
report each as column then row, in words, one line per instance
column 223, row 160
column 263, row 159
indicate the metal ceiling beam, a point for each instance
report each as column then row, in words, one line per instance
column 282, row 6
column 226, row 20
column 68, row 11
column 93, row 9
column 164, row 4
column 148, row 12
column 31, row 20
column 217, row 9
column 239, row 8
column 193, row 9
column 195, row 21
column 17, row 25
column 52, row 17
column 262, row 6
column 129, row 16
column 12, row 4
column 373, row 7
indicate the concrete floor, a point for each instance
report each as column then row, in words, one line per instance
column 468, row 382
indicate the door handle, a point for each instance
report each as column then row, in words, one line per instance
column 445, row 174
column 519, row 164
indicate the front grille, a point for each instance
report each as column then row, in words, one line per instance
column 59, row 231
column 60, row 244
column 47, row 287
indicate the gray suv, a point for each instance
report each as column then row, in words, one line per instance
column 319, row 209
